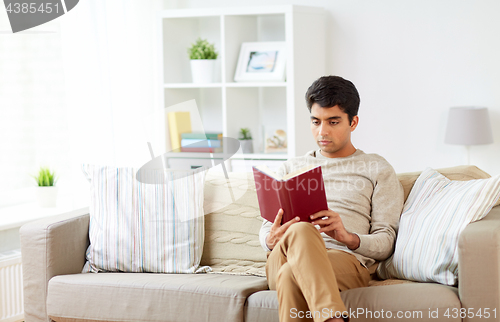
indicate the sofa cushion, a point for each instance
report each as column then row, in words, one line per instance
column 262, row 307
column 459, row 173
column 232, row 227
column 165, row 297
column 145, row 220
column 415, row 300
column 435, row 213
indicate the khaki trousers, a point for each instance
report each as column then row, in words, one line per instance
column 309, row 277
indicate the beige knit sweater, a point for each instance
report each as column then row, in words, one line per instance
column 365, row 191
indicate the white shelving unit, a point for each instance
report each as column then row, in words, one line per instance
column 226, row 106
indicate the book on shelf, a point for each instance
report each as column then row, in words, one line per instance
column 201, row 143
column 205, row 150
column 300, row 193
column 202, row 136
column 178, row 123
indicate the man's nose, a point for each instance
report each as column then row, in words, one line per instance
column 323, row 129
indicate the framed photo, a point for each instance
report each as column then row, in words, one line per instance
column 275, row 140
column 261, row 61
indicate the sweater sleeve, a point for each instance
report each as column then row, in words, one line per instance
column 387, row 204
column 264, row 231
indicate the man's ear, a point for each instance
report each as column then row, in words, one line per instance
column 354, row 122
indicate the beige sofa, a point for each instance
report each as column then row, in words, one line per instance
column 54, row 254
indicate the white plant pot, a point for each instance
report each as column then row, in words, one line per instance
column 202, row 70
column 46, row 196
column 246, row 146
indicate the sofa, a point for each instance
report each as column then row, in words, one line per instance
column 53, row 254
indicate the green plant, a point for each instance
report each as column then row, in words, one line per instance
column 45, row 177
column 202, row 49
column 245, row 134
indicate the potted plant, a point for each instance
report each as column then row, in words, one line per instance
column 203, row 56
column 46, row 191
column 246, row 140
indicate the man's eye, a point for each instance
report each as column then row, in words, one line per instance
column 315, row 122
column 334, row 123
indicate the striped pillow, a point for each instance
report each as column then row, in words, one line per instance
column 141, row 227
column 435, row 213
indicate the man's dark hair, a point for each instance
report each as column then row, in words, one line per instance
column 329, row 91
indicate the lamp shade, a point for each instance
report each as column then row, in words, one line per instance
column 468, row 126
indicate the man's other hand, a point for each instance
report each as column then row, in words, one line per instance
column 277, row 230
column 331, row 224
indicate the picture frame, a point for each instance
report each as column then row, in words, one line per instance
column 275, row 140
column 261, row 61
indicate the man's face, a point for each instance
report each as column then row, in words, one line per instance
column 332, row 131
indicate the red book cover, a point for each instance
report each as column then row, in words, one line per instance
column 300, row 193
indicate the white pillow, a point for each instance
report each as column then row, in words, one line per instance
column 143, row 227
column 435, row 213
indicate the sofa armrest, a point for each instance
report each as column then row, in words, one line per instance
column 479, row 266
column 51, row 246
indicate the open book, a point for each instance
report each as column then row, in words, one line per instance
column 300, row 193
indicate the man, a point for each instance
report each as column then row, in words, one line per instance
column 309, row 264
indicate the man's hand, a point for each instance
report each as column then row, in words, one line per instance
column 331, row 224
column 277, row 230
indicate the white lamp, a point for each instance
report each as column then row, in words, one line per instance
column 468, row 126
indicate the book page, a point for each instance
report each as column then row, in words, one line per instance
column 299, row 171
column 265, row 169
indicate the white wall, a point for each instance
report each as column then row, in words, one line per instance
column 410, row 60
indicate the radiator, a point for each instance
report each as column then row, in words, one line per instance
column 11, row 286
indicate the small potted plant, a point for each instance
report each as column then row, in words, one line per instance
column 203, row 56
column 246, row 140
column 46, row 191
